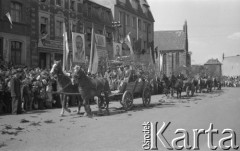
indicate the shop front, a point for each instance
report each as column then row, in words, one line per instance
column 48, row 51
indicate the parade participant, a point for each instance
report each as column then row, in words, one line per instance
column 15, row 93
column 107, row 74
column 25, row 94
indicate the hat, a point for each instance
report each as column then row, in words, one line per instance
column 14, row 72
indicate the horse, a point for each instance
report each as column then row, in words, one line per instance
column 90, row 88
column 190, row 86
column 209, row 85
column 177, row 85
column 166, row 85
column 64, row 85
column 200, row 85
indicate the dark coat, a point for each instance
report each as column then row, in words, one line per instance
column 15, row 87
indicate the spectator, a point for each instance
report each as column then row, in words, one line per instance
column 16, row 93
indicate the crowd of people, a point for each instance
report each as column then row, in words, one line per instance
column 231, row 81
column 23, row 88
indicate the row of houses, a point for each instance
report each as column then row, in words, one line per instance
column 35, row 38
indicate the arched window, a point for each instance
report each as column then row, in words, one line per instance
column 16, row 11
column 16, row 49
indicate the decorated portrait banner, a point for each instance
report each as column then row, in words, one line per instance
column 117, row 49
column 100, row 40
column 78, row 46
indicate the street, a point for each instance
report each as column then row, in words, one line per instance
column 122, row 131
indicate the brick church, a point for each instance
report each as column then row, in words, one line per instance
column 173, row 45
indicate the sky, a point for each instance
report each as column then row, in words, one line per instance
column 213, row 25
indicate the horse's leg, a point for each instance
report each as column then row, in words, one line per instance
column 87, row 108
column 107, row 101
column 80, row 101
column 66, row 99
column 99, row 102
column 63, row 104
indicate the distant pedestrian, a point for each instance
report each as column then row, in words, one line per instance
column 15, row 88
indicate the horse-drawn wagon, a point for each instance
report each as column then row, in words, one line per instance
column 134, row 87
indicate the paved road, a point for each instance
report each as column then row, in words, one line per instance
column 122, row 131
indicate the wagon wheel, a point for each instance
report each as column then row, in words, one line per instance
column 146, row 96
column 127, row 100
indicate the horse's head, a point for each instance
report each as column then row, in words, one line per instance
column 56, row 68
column 78, row 74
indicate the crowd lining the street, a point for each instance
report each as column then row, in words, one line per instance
column 23, row 89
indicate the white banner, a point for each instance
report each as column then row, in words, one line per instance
column 78, row 46
column 117, row 49
column 100, row 40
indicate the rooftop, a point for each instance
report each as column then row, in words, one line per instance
column 170, row 40
column 213, row 62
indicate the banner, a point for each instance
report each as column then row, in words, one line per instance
column 65, row 48
column 100, row 40
column 78, row 46
column 127, row 40
column 117, row 50
column 93, row 62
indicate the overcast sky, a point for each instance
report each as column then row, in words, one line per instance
column 213, row 25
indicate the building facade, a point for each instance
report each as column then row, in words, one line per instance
column 15, row 38
column 213, row 68
column 173, row 45
column 135, row 18
column 231, row 66
column 47, row 29
column 101, row 17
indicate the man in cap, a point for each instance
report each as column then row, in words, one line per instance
column 15, row 92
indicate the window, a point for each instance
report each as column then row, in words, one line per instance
column 121, row 17
column 89, row 11
column 134, row 4
column 16, row 48
column 127, row 22
column 44, row 25
column 177, row 59
column 16, row 11
column 139, row 24
column 74, row 28
column 73, row 5
column 89, row 33
column 59, row 28
column 59, row 3
column 149, row 28
column 100, row 32
column 44, row 1
column 108, row 37
column 145, row 26
column 133, row 21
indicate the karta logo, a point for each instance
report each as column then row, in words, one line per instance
column 153, row 135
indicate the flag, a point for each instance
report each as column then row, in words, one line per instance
column 127, row 41
column 65, row 48
column 152, row 55
column 10, row 19
column 93, row 62
column 156, row 52
column 160, row 61
column 223, row 56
